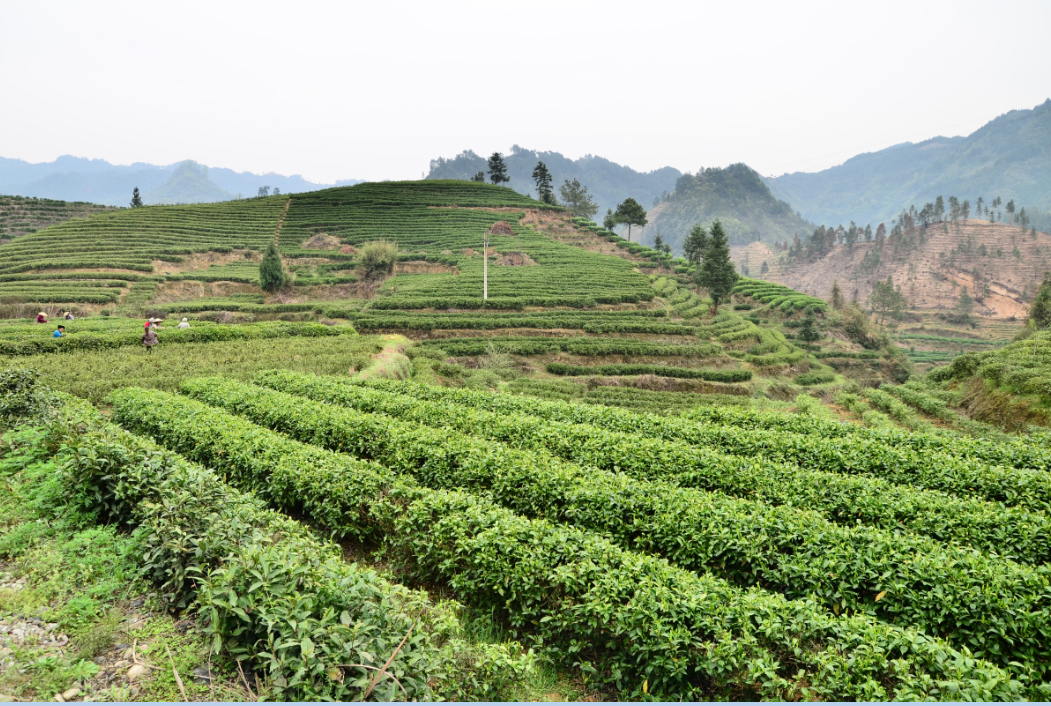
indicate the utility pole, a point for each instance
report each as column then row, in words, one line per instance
column 485, row 266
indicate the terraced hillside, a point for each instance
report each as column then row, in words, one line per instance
column 20, row 215
column 438, row 227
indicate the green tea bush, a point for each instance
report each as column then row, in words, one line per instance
column 988, row 526
column 555, row 582
column 643, row 369
column 276, row 598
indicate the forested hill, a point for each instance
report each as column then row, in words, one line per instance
column 609, row 183
column 736, row 196
column 1009, row 157
column 190, row 183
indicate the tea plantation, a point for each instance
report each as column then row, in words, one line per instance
column 592, row 485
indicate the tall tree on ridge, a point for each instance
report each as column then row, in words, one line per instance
column 480, row 176
column 609, row 221
column 631, row 213
column 136, row 200
column 542, row 177
column 497, row 169
column 577, row 199
column 717, row 274
column 1010, row 208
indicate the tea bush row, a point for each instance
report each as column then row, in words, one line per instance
column 760, row 449
column 633, row 622
column 274, row 597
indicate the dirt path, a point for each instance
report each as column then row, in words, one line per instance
column 281, row 221
column 391, row 362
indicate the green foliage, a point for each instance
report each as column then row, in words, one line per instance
column 630, row 509
column 696, row 245
column 542, row 178
column 1039, row 318
column 279, row 600
column 834, row 451
column 21, row 396
column 965, row 307
column 20, row 215
column 577, row 199
column 817, row 378
column 445, row 535
column 738, row 198
column 643, row 369
column 497, row 169
column 126, row 332
column 837, row 296
column 716, row 273
column 136, row 200
column 887, row 300
column 271, row 270
column 575, row 345
column 423, row 217
column 377, row 259
column 630, row 213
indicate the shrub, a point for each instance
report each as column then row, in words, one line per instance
column 271, row 271
column 377, row 259
column 814, row 378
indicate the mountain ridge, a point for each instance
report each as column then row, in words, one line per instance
column 71, row 178
column 609, row 183
column 1010, row 157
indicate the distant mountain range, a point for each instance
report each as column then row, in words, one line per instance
column 1009, row 157
column 609, row 183
column 71, row 178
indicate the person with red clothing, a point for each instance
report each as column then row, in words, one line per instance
column 41, row 318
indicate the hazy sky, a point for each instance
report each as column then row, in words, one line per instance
column 375, row 90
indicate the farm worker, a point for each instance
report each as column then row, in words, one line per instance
column 59, row 332
column 184, row 323
column 69, row 316
column 41, row 318
column 149, row 339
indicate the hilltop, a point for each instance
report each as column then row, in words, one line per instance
column 189, row 183
column 736, row 196
column 1009, row 156
column 609, row 183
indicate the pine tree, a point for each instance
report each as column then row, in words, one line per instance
column 1010, row 208
column 658, row 242
column 696, row 244
column 542, row 177
column 271, row 273
column 808, row 332
column 497, row 169
column 480, row 176
column 1040, row 309
column 136, row 200
column 764, row 268
column 609, row 221
column 717, row 274
column 263, row 191
column 837, row 296
column 631, row 213
column 577, row 199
